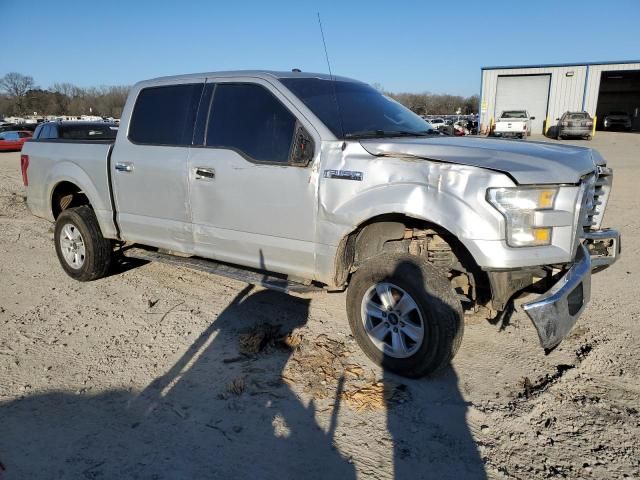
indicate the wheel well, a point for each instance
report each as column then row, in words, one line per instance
column 66, row 195
column 397, row 233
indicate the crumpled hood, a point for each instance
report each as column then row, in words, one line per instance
column 525, row 161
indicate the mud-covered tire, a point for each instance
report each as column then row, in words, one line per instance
column 436, row 301
column 97, row 251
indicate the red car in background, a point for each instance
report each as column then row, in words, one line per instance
column 13, row 140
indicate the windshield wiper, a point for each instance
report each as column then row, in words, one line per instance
column 389, row 133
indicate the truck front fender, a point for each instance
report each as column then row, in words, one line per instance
column 466, row 218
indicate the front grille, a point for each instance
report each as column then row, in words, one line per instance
column 597, row 186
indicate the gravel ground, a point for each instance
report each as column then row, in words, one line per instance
column 161, row 372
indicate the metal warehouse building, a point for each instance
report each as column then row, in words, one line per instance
column 547, row 91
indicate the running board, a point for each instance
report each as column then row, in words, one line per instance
column 268, row 280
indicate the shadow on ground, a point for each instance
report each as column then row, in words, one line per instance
column 187, row 425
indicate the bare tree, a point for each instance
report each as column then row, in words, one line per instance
column 68, row 99
column 436, row 104
column 16, row 86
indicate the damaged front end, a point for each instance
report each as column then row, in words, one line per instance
column 556, row 311
column 568, row 290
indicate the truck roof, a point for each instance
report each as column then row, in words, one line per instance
column 264, row 74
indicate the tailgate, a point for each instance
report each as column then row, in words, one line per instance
column 511, row 126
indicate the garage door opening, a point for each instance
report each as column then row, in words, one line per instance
column 524, row 92
column 619, row 100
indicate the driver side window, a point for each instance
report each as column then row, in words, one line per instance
column 249, row 119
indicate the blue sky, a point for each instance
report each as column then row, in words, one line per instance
column 417, row 46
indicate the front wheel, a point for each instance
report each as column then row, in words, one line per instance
column 404, row 314
column 83, row 252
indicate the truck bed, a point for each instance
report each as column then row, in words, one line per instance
column 84, row 162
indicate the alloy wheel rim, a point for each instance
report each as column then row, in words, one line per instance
column 392, row 320
column 72, row 246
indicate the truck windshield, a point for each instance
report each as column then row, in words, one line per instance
column 361, row 111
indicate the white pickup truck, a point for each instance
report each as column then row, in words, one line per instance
column 513, row 123
column 299, row 181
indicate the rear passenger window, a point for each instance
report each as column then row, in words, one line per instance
column 88, row 132
column 49, row 131
column 165, row 115
column 249, row 119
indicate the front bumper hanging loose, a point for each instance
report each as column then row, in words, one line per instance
column 555, row 312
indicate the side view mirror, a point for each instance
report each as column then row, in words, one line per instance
column 303, row 148
column 557, row 119
column 532, row 118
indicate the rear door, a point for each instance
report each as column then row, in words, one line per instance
column 149, row 166
column 250, row 204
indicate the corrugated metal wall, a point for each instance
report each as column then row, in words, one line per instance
column 593, row 84
column 565, row 92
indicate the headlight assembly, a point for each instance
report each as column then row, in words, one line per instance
column 518, row 206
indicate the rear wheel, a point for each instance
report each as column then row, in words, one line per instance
column 83, row 252
column 404, row 314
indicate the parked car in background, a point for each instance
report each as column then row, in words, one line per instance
column 574, row 124
column 617, row 121
column 513, row 123
column 13, row 141
column 459, row 128
column 17, row 127
column 437, row 123
column 76, row 131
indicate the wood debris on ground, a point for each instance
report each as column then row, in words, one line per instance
column 376, row 396
column 236, row 386
column 265, row 336
column 259, row 337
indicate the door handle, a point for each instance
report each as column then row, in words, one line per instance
column 202, row 173
column 124, row 167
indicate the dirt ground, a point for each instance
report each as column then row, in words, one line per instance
column 159, row 372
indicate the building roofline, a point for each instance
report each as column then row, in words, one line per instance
column 549, row 65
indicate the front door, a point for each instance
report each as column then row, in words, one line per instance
column 250, row 205
column 149, row 167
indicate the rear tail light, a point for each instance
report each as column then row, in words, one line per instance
column 24, row 165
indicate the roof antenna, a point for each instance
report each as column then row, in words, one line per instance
column 333, row 80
